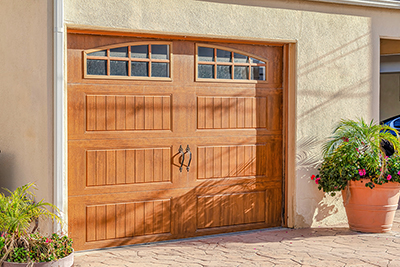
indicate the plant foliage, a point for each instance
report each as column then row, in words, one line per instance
column 19, row 240
column 355, row 152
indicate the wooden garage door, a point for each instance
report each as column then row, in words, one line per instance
column 138, row 107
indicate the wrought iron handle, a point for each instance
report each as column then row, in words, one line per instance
column 190, row 157
column 180, row 150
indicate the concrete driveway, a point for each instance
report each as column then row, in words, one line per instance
column 271, row 247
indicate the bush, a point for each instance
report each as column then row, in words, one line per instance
column 354, row 152
column 20, row 241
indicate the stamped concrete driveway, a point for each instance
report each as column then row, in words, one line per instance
column 271, row 247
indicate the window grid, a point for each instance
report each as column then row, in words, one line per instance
column 232, row 63
column 108, row 58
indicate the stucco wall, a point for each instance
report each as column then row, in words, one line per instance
column 26, row 95
column 337, row 63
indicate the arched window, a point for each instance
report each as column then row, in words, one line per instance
column 129, row 61
column 218, row 63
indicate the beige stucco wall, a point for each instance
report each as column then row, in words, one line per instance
column 26, row 95
column 337, row 64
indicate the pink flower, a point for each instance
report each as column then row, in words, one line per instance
column 389, row 177
column 345, row 139
column 48, row 240
column 358, row 150
column 313, row 176
column 386, row 157
column 362, row 172
column 398, row 172
column 316, row 180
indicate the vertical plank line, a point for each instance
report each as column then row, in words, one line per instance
column 95, row 223
column 125, row 105
column 144, row 113
column 96, row 172
column 125, row 154
column 154, row 123
column 154, row 157
column 162, row 113
column 237, row 112
column 134, row 164
column 134, row 115
column 115, row 112
column 95, row 113
column 106, row 111
column 236, row 168
column 116, row 167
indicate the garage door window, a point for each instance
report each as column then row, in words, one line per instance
column 129, row 61
column 221, row 64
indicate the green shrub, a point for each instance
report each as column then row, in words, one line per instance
column 20, row 241
column 354, row 152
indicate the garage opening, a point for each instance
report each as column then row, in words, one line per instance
column 390, row 79
column 171, row 138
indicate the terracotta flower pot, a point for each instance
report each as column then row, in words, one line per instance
column 371, row 210
column 64, row 262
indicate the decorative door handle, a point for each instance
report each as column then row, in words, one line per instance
column 190, row 157
column 180, row 150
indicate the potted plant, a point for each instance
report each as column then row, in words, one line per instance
column 20, row 242
column 362, row 161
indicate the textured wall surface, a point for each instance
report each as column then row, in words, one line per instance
column 337, row 63
column 26, row 95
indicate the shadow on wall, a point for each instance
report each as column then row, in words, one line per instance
column 6, row 171
column 304, row 158
column 309, row 159
column 332, row 98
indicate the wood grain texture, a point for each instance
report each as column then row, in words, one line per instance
column 124, row 183
column 230, row 209
column 128, row 166
column 127, row 113
column 110, row 221
column 215, row 112
column 231, row 161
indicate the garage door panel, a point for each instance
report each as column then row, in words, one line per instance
column 240, row 89
column 128, row 112
column 148, row 167
column 220, row 112
column 230, row 209
column 274, row 114
column 274, row 163
column 239, row 208
column 125, row 184
column 127, row 88
column 217, row 112
column 129, row 219
column 74, row 57
column 227, row 161
column 128, row 166
column 273, row 204
column 233, row 161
